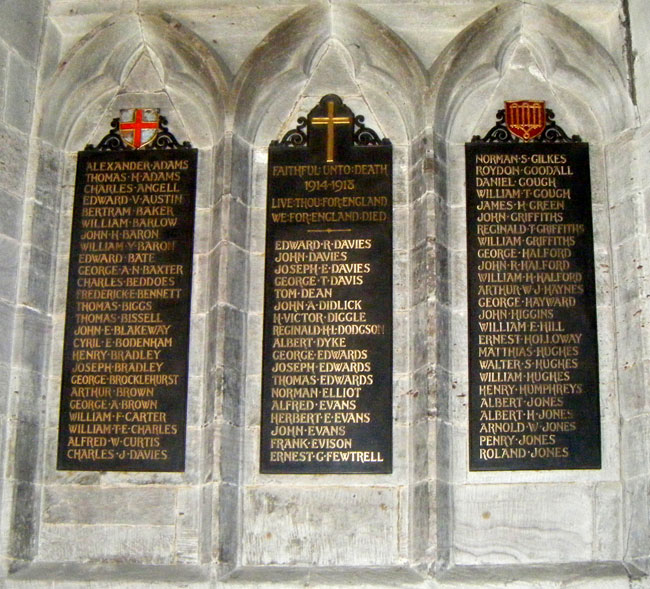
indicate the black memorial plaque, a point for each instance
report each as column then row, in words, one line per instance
column 327, row 349
column 533, row 357
column 125, row 359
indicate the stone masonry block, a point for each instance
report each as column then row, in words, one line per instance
column 241, row 175
column 507, row 524
column 209, row 446
column 10, row 256
column 22, row 537
column 195, row 409
column 420, row 229
column 6, row 327
column 337, row 525
column 637, row 509
column 5, row 373
column 420, row 450
column 202, row 230
column 254, row 342
column 640, row 27
column 196, row 350
column 13, row 160
column 36, row 330
column 401, row 450
column 419, row 533
column 200, row 283
column 50, row 165
column 257, row 237
column 418, row 262
column 23, row 449
column 253, row 410
column 187, row 525
column 635, row 434
column 259, row 178
column 208, row 178
column 83, row 504
column 228, row 523
column 632, row 384
column 45, row 224
column 4, row 61
column 230, row 452
column 20, row 24
column 623, row 174
column 402, row 189
column 193, row 454
column 628, row 271
column 237, row 272
column 401, row 227
column 145, row 544
column 608, row 543
column 624, row 219
column 256, row 283
column 19, row 105
column 12, row 213
column 237, row 221
column 420, row 329
column 402, row 396
column 38, row 294
column 641, row 65
column 218, row 283
column 233, row 324
column 401, row 343
column 456, row 236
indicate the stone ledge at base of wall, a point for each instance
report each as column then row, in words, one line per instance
column 69, row 575
column 602, row 575
column 587, row 575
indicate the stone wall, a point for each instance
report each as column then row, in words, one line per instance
column 231, row 77
column 26, row 253
column 630, row 240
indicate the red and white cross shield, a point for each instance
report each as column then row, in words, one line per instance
column 526, row 119
column 139, row 126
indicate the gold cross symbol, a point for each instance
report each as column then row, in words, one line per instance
column 330, row 121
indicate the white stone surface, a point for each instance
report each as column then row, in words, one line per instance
column 231, row 76
column 347, row 526
column 111, row 543
column 522, row 524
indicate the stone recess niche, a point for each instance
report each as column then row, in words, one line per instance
column 231, row 77
column 139, row 518
column 312, row 521
column 531, row 518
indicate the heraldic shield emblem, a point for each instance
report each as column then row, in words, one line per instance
column 526, row 119
column 139, row 126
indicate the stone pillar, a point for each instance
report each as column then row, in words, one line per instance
column 27, row 233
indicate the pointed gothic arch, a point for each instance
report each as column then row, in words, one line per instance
column 385, row 68
column 270, row 91
column 517, row 51
column 192, row 79
column 570, row 60
column 77, row 103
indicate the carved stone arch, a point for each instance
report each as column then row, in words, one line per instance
column 387, row 72
column 576, row 68
column 517, row 50
column 146, row 60
column 191, row 78
column 283, row 78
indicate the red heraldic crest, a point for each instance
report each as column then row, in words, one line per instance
column 526, row 119
column 139, row 126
